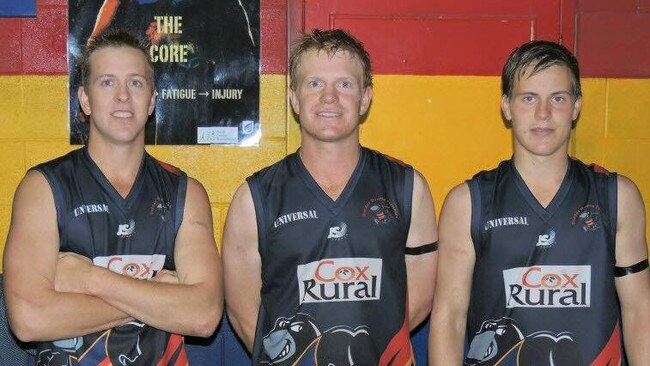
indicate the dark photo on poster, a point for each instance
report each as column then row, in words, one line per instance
column 206, row 59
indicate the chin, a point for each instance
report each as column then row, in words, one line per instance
column 545, row 152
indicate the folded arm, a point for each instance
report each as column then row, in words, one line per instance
column 56, row 296
column 193, row 306
column 36, row 311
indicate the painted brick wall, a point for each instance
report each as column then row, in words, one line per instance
column 448, row 127
column 33, row 108
column 613, row 46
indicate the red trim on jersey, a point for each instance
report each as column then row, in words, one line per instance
column 611, row 353
column 598, row 169
column 399, row 351
column 389, row 157
column 595, row 167
column 168, row 167
column 175, row 349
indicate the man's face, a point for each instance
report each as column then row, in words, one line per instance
column 120, row 97
column 542, row 109
column 329, row 98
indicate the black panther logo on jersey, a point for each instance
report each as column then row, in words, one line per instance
column 297, row 340
column 380, row 210
column 289, row 338
column 589, row 216
column 127, row 345
column 500, row 342
column 160, row 208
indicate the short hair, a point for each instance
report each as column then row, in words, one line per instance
column 535, row 56
column 330, row 41
column 112, row 38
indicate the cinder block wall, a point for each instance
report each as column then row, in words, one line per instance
column 33, row 108
column 448, row 127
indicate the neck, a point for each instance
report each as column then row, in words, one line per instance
column 542, row 168
column 330, row 166
column 542, row 175
column 119, row 163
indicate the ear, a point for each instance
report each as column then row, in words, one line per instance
column 293, row 99
column 152, row 102
column 505, row 107
column 577, row 107
column 83, row 100
column 366, row 98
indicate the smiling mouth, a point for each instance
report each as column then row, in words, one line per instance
column 284, row 352
column 122, row 114
column 329, row 114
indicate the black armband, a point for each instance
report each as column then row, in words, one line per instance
column 624, row 271
column 422, row 249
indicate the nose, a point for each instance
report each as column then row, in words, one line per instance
column 122, row 93
column 329, row 94
column 543, row 110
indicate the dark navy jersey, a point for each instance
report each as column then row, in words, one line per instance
column 543, row 286
column 333, row 272
column 133, row 236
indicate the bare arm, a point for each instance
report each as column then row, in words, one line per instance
column 37, row 312
column 242, row 265
column 421, row 269
column 454, row 280
column 191, row 307
column 633, row 289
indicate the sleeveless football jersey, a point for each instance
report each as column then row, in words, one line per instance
column 543, row 286
column 133, row 236
column 333, row 272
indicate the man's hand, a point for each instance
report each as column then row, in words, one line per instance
column 71, row 271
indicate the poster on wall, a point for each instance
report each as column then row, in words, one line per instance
column 206, row 58
column 17, row 8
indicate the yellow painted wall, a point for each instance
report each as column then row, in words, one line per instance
column 33, row 120
column 448, row 127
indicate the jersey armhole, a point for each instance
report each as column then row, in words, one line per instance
column 253, row 186
column 408, row 194
column 180, row 202
column 475, row 201
column 57, row 195
column 612, row 197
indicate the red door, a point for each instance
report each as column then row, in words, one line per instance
column 441, row 37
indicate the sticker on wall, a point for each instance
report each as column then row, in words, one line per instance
column 206, row 57
column 18, row 8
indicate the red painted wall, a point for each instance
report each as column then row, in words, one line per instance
column 447, row 37
column 613, row 38
column 37, row 46
column 462, row 37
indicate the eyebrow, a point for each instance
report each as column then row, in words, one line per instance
column 113, row 75
column 536, row 94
